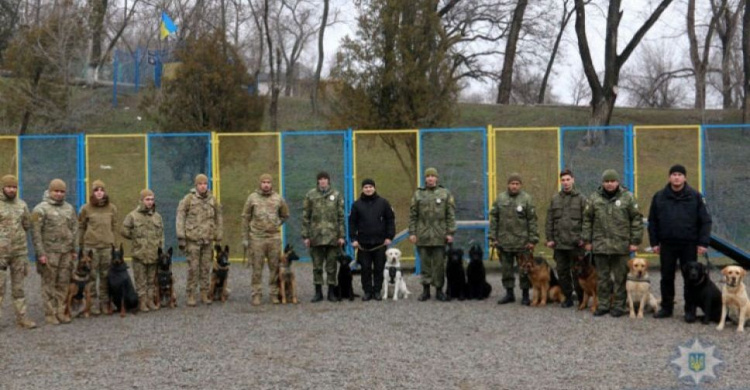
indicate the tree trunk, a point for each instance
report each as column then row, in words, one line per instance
column 699, row 61
column 746, row 63
column 96, row 23
column 319, row 67
column 563, row 23
column 289, row 78
column 506, row 75
column 273, row 106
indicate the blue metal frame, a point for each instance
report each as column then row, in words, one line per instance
column 80, row 166
column 628, row 160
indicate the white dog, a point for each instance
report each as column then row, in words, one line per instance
column 392, row 275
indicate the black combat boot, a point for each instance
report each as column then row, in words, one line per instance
column 377, row 295
column 425, row 293
column 439, row 295
column 664, row 312
column 367, row 297
column 525, row 297
column 567, row 303
column 318, row 294
column 508, row 298
column 332, row 294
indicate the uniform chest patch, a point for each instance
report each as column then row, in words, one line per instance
column 618, row 203
column 519, row 208
column 332, row 198
column 438, row 200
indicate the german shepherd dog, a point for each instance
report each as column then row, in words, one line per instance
column 455, row 274
column 121, row 291
column 79, row 289
column 344, row 288
column 165, row 280
column 476, row 276
column 220, row 275
column 287, row 280
column 543, row 280
column 586, row 274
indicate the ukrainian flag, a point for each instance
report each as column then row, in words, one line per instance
column 167, row 26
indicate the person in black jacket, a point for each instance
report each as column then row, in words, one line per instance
column 679, row 228
column 371, row 228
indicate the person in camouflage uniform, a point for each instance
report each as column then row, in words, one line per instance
column 55, row 233
column 199, row 225
column 97, row 224
column 264, row 213
column 563, row 231
column 612, row 229
column 15, row 221
column 144, row 226
column 432, row 224
column 323, row 232
column 513, row 230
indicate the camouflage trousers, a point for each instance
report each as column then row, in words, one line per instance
column 200, row 258
column 55, row 280
column 261, row 249
column 432, row 259
column 609, row 267
column 565, row 259
column 100, row 264
column 325, row 255
column 145, row 277
column 506, row 268
column 17, row 267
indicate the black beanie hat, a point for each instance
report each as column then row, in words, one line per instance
column 678, row 168
column 368, row 181
column 323, row 175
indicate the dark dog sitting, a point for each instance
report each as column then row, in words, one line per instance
column 454, row 272
column 344, row 289
column 220, row 274
column 476, row 276
column 121, row 291
column 165, row 280
column 700, row 292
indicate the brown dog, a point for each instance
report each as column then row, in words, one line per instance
column 79, row 289
column 543, row 281
column 287, row 280
column 586, row 274
column 734, row 296
column 638, row 287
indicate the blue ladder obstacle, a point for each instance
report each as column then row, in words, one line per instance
column 731, row 251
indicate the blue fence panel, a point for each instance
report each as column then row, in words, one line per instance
column 588, row 151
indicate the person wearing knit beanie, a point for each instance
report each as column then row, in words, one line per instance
column 678, row 169
column 265, row 176
column 144, row 226
column 368, row 182
column 514, row 177
column 431, row 171
column 323, row 175
column 201, row 179
column 9, row 181
column 610, row 175
column 97, row 184
column 57, row 185
column 146, row 192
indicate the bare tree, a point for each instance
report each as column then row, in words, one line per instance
column 727, row 16
column 97, row 16
column 506, row 75
column 699, row 57
column 567, row 13
column 295, row 29
column 654, row 81
column 319, row 66
column 580, row 92
column 604, row 93
column 273, row 109
column 746, row 63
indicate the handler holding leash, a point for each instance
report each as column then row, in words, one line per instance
column 144, row 226
column 55, row 243
column 372, row 226
column 513, row 229
column 199, row 225
column 15, row 221
column 97, row 224
column 612, row 228
column 679, row 229
column 563, row 231
column 323, row 233
column 432, row 224
column 264, row 213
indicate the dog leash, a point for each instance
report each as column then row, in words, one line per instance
column 373, row 249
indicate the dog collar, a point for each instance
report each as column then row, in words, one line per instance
column 634, row 279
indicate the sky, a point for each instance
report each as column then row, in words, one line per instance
column 668, row 32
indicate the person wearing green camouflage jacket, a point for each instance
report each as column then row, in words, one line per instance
column 323, row 233
column 55, row 238
column 513, row 229
column 15, row 222
column 563, row 231
column 432, row 225
column 612, row 229
column 264, row 213
column 145, row 228
column 97, row 224
column 199, row 225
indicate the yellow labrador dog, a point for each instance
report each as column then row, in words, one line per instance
column 638, row 287
column 734, row 296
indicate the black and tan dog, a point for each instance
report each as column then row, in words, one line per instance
column 122, row 294
column 455, row 274
column 220, row 275
column 586, row 274
column 476, row 276
column 544, row 283
column 79, row 289
column 287, row 280
column 164, row 280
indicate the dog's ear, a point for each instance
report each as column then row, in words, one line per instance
column 725, row 271
column 159, row 252
column 742, row 273
column 226, row 249
column 122, row 252
column 169, row 251
column 630, row 263
column 91, row 254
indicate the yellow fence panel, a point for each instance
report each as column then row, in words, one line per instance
column 9, row 153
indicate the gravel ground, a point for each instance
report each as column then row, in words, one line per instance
column 356, row 345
